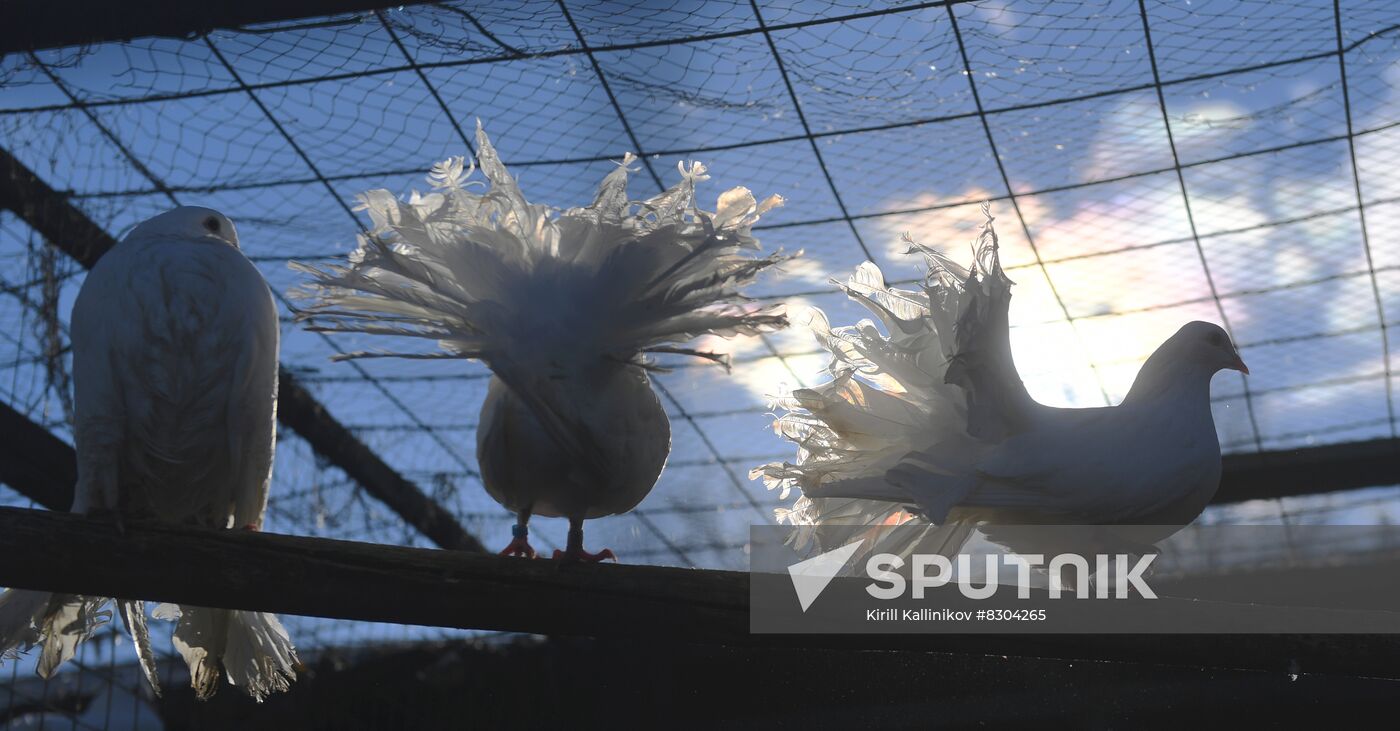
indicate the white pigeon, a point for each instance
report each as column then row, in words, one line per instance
column 175, row 340
column 562, row 306
column 931, row 423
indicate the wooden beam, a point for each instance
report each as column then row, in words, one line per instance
column 29, row 25
column 1310, row 470
column 70, row 230
column 49, row 213
column 299, row 411
column 347, row 580
column 34, row 462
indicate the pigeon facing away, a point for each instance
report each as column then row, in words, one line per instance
column 933, row 422
column 562, row 306
column 175, row 381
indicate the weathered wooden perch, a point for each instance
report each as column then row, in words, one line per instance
column 348, row 580
column 36, row 24
column 1311, row 470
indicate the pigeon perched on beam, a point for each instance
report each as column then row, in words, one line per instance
column 564, row 307
column 929, row 422
column 175, row 339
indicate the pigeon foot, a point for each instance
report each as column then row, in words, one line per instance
column 573, row 550
column 520, row 542
column 519, row 546
column 583, row 556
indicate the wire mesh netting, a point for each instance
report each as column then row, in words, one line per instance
column 1149, row 163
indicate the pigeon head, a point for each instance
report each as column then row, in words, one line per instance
column 1207, row 345
column 1196, row 352
column 189, row 222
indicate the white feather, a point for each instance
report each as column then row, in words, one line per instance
column 175, row 339
column 930, row 417
column 563, row 306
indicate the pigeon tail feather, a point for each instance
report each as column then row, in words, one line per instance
column 998, row 404
column 531, row 289
column 912, row 401
column 134, row 617
column 58, row 623
column 251, row 649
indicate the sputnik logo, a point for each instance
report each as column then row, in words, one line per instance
column 811, row 577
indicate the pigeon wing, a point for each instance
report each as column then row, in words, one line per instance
column 252, row 415
column 1099, row 465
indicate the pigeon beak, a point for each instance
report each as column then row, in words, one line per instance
column 1239, row 365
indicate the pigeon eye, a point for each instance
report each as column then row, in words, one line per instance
column 1217, row 338
column 212, row 224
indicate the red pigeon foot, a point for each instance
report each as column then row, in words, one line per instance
column 583, row 556
column 519, row 547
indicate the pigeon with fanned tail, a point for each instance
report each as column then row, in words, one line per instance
column 563, row 306
column 175, row 395
column 931, row 424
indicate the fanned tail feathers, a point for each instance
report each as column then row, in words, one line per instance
column 490, row 275
column 981, row 364
column 891, row 429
